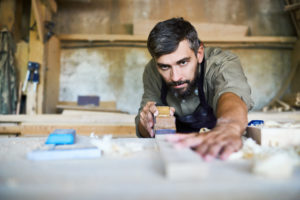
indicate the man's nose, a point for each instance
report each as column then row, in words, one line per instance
column 175, row 74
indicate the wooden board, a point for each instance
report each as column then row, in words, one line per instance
column 36, row 129
column 85, row 123
column 52, row 75
column 143, row 38
column 98, row 117
column 281, row 137
column 10, row 128
column 36, row 54
column 104, row 106
column 282, row 116
column 180, row 164
column 144, row 27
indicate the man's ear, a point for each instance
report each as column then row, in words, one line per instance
column 200, row 53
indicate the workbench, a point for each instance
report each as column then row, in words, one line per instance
column 137, row 176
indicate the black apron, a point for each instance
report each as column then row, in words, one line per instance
column 202, row 117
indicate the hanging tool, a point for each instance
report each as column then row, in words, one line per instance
column 32, row 75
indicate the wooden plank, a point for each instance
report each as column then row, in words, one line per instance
column 36, row 54
column 292, row 7
column 88, row 108
column 102, row 104
column 81, row 129
column 281, row 137
column 294, row 17
column 101, row 117
column 210, row 39
column 10, row 128
column 93, row 37
column 292, row 99
column 53, row 6
column 282, row 116
column 143, row 27
column 52, row 75
column 38, row 13
column 7, row 14
column 180, row 164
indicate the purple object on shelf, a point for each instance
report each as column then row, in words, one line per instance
column 88, row 100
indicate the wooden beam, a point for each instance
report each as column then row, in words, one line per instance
column 93, row 37
column 102, row 104
column 52, row 75
column 39, row 17
column 10, row 128
column 53, row 6
column 292, row 7
column 81, row 129
column 294, row 18
column 143, row 38
column 143, row 27
column 34, row 99
column 88, row 108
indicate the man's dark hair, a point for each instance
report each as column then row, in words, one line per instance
column 164, row 38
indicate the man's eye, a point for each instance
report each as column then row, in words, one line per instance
column 184, row 62
column 164, row 67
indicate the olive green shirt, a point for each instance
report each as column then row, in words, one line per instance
column 223, row 73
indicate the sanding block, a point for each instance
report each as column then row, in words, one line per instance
column 164, row 123
column 61, row 137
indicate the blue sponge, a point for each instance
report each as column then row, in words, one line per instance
column 61, row 136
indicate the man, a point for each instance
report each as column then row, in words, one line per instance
column 205, row 87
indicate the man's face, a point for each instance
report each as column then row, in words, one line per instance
column 179, row 68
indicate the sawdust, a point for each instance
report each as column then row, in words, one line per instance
column 111, row 147
column 271, row 162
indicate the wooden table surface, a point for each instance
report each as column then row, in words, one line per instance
column 137, row 176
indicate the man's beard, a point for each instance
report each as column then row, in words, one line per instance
column 183, row 92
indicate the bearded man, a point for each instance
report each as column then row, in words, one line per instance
column 205, row 88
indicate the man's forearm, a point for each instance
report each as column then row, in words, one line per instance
column 233, row 112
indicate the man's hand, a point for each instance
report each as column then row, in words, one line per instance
column 147, row 119
column 147, row 115
column 223, row 139
column 219, row 142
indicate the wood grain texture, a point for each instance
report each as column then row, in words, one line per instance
column 52, row 75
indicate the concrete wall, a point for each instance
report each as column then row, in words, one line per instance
column 98, row 71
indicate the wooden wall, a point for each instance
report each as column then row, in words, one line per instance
column 264, row 17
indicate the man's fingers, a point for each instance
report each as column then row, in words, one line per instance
column 151, row 132
column 172, row 111
column 190, row 141
column 153, row 109
column 226, row 152
column 215, row 149
column 231, row 147
column 177, row 137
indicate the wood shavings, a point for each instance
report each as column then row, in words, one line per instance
column 271, row 162
column 110, row 147
column 278, row 165
column 276, row 124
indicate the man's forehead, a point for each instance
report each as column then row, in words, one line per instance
column 183, row 51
